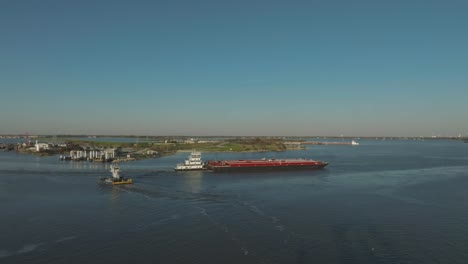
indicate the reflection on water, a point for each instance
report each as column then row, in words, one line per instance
column 82, row 165
column 192, row 180
column 114, row 194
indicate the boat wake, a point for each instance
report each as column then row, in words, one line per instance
column 24, row 250
column 159, row 192
column 225, row 230
column 163, row 221
column 63, row 239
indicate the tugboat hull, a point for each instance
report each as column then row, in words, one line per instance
column 111, row 181
column 125, row 181
column 190, row 169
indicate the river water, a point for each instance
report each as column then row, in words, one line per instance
column 394, row 201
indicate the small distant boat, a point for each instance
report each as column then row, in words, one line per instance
column 193, row 162
column 354, row 143
column 115, row 179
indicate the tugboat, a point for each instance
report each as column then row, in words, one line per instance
column 193, row 162
column 115, row 179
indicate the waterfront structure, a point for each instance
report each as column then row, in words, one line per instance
column 41, row 146
column 344, row 143
column 190, row 141
column 92, row 155
column 293, row 145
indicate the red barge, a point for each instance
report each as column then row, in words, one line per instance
column 264, row 164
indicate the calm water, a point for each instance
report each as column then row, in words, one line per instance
column 381, row 202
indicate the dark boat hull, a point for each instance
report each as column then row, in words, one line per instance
column 112, row 181
column 265, row 168
column 202, row 169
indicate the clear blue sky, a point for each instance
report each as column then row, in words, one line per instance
column 384, row 68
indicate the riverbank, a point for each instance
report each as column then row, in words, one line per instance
column 80, row 149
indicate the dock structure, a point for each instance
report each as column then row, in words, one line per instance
column 293, row 145
column 352, row 143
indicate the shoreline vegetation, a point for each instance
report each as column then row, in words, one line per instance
column 139, row 147
column 172, row 146
column 129, row 151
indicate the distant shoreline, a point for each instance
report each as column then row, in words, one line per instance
column 144, row 137
column 79, row 149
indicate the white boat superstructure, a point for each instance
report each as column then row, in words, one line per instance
column 354, row 143
column 193, row 162
column 115, row 169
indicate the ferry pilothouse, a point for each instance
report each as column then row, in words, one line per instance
column 193, row 162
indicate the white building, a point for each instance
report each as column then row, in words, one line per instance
column 40, row 146
column 190, row 141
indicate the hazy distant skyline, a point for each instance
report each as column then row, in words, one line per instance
column 298, row 68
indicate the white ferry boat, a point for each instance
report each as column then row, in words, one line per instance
column 193, row 162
